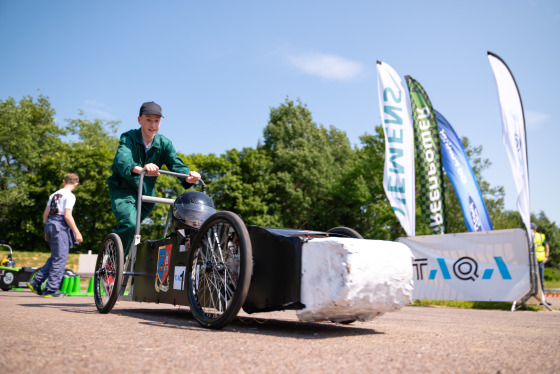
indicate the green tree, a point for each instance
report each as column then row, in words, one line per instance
column 246, row 188
column 306, row 161
column 358, row 200
column 91, row 156
column 28, row 133
column 35, row 159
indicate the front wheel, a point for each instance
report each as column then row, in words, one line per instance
column 219, row 270
column 108, row 273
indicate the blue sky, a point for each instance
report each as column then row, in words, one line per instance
column 217, row 67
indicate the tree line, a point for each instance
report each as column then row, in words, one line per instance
column 302, row 175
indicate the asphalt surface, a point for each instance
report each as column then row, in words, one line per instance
column 68, row 335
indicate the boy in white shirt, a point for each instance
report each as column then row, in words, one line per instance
column 60, row 233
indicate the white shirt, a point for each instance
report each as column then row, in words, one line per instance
column 60, row 201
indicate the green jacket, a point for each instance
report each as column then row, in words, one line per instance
column 131, row 153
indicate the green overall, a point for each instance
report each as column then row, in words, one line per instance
column 123, row 184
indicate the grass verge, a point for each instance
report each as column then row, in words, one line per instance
column 38, row 259
column 491, row 305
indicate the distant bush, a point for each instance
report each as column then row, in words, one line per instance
column 551, row 274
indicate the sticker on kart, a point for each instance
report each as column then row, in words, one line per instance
column 162, row 278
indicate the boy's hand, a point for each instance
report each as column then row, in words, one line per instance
column 193, row 177
column 152, row 170
column 79, row 238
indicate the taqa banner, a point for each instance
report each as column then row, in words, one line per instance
column 475, row 266
column 460, row 173
column 428, row 156
column 513, row 133
column 398, row 175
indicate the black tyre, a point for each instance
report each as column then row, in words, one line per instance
column 108, row 274
column 219, row 270
column 347, row 322
column 345, row 232
column 7, row 280
column 6, row 283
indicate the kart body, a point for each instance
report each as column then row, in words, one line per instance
column 15, row 277
column 276, row 274
column 225, row 265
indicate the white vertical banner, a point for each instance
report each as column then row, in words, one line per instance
column 398, row 175
column 514, row 137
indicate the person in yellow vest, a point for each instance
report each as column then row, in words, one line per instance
column 542, row 250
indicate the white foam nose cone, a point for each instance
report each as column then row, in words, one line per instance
column 347, row 279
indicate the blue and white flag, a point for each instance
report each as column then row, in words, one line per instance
column 461, row 175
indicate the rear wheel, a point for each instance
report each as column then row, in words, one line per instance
column 108, row 273
column 345, row 232
column 219, row 270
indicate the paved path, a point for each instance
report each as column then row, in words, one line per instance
column 69, row 336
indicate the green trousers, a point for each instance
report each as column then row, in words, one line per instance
column 123, row 204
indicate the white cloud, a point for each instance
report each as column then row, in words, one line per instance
column 326, row 66
column 98, row 109
column 535, row 120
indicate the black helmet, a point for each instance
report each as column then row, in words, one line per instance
column 191, row 209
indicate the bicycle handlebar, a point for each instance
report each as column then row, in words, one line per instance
column 170, row 173
column 181, row 175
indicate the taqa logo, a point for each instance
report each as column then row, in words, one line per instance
column 477, row 222
column 465, row 268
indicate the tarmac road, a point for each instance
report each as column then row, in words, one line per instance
column 68, row 335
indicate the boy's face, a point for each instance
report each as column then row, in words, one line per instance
column 149, row 123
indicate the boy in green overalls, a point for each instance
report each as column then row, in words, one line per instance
column 141, row 150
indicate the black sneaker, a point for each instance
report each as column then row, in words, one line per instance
column 53, row 294
column 35, row 288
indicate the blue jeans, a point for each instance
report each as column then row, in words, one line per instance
column 59, row 238
column 541, row 273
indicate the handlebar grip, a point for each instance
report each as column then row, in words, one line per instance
column 172, row 173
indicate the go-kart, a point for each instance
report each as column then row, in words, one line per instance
column 12, row 276
column 216, row 265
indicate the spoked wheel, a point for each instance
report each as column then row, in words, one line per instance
column 345, row 232
column 219, row 270
column 108, row 273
